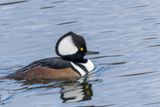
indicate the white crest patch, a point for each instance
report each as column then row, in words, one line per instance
column 66, row 46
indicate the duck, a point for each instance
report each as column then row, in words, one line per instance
column 70, row 64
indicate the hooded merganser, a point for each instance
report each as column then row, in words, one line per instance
column 70, row 65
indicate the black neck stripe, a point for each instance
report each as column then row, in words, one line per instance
column 82, row 67
column 76, row 70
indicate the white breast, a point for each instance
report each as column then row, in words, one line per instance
column 88, row 65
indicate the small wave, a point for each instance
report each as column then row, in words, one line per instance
column 47, row 7
column 154, row 46
column 137, row 74
column 105, row 56
column 16, row 2
column 65, row 23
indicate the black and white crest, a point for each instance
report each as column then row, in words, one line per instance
column 71, row 47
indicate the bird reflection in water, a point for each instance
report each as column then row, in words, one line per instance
column 75, row 92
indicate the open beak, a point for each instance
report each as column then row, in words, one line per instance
column 91, row 52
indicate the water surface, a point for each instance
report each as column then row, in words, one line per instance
column 127, row 34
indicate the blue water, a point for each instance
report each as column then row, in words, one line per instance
column 126, row 33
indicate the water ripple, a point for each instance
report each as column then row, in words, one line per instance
column 152, row 46
column 59, row 1
column 4, row 24
column 148, row 19
column 47, row 7
column 108, row 105
column 15, row 2
column 157, row 23
column 137, row 74
column 153, row 103
column 6, row 100
column 114, row 63
column 65, row 23
column 108, row 31
column 105, row 56
column 140, row 6
column 150, row 38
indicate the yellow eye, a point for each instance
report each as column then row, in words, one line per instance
column 81, row 49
